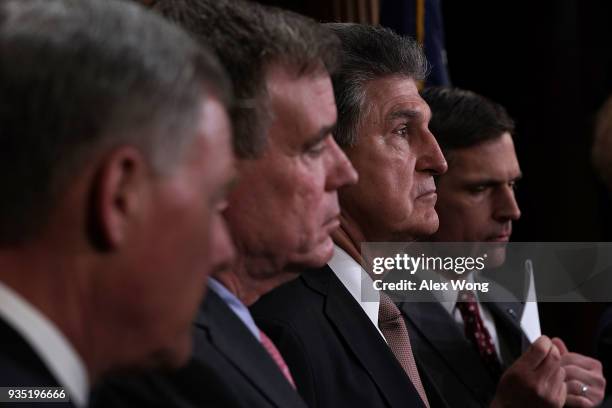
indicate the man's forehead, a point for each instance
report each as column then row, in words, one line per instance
column 407, row 109
column 215, row 135
column 396, row 96
column 302, row 108
column 492, row 160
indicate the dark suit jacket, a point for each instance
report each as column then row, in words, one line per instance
column 336, row 355
column 450, row 360
column 604, row 347
column 229, row 368
column 20, row 366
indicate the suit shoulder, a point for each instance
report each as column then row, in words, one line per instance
column 19, row 363
column 290, row 301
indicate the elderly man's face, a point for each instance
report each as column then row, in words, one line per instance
column 396, row 157
column 181, row 238
column 476, row 200
column 285, row 206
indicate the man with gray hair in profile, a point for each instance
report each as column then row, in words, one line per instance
column 280, row 213
column 115, row 157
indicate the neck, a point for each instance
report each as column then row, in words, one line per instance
column 349, row 237
column 248, row 279
column 44, row 280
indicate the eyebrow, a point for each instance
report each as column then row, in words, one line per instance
column 405, row 114
column 493, row 182
column 320, row 136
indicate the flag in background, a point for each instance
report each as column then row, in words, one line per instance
column 422, row 20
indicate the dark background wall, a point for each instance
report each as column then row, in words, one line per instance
column 550, row 64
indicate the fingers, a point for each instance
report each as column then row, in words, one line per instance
column 536, row 354
column 578, row 377
column 558, row 391
column 587, row 377
column 560, row 345
column 542, row 386
column 549, row 379
column 579, row 360
column 576, row 396
column 574, row 387
column 584, row 371
column 550, row 368
column 576, row 401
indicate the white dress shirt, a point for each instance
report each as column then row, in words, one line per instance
column 350, row 273
column 52, row 347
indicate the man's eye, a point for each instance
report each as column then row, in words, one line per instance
column 218, row 202
column 317, row 149
column 477, row 189
column 402, row 131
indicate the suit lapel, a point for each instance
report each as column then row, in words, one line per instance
column 232, row 339
column 439, row 332
column 507, row 314
column 363, row 340
column 21, row 365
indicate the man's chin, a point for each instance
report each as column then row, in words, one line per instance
column 317, row 256
column 496, row 255
column 427, row 227
column 175, row 356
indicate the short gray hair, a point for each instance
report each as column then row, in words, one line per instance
column 248, row 38
column 79, row 77
column 368, row 53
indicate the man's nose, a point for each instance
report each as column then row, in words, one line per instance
column 430, row 159
column 340, row 170
column 507, row 208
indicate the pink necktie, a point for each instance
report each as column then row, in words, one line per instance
column 276, row 356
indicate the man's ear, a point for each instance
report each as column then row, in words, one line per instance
column 118, row 196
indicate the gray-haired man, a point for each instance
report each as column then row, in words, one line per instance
column 284, row 206
column 115, row 157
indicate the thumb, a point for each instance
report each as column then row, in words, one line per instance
column 560, row 345
column 537, row 352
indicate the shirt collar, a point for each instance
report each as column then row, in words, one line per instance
column 52, row 347
column 448, row 298
column 350, row 273
column 235, row 305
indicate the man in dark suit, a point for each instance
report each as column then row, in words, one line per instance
column 342, row 349
column 476, row 203
column 102, row 213
column 337, row 351
column 284, row 206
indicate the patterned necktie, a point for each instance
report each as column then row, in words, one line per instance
column 276, row 356
column 476, row 331
column 393, row 327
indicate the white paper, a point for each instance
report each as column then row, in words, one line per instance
column 530, row 320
